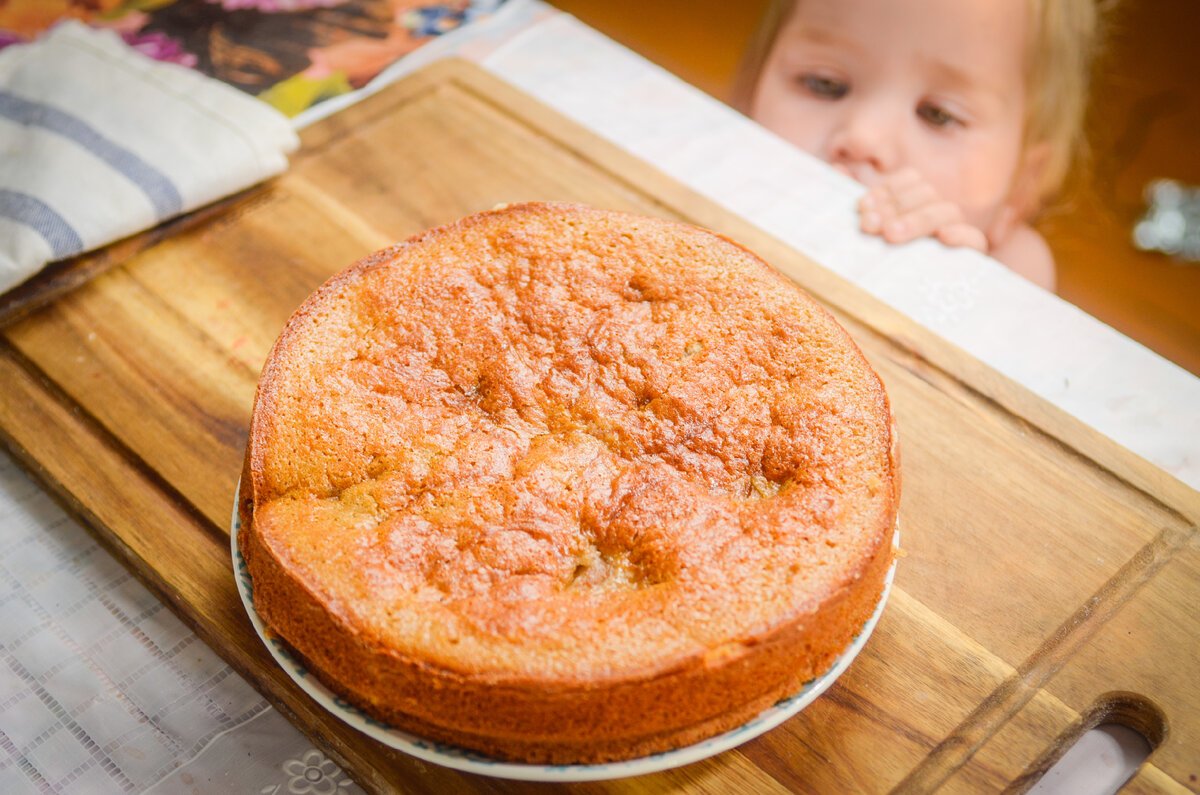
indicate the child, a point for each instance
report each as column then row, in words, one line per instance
column 960, row 116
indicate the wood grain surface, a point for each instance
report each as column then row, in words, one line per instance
column 1049, row 577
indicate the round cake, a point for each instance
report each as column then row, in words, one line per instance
column 566, row 485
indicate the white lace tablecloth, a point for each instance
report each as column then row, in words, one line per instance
column 103, row 690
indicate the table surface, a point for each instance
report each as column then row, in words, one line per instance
column 167, row 714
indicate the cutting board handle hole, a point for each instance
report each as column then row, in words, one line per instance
column 1103, row 750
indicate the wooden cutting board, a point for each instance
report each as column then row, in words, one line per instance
column 1049, row 580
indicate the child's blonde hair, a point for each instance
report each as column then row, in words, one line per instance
column 1062, row 44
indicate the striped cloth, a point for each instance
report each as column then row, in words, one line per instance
column 97, row 142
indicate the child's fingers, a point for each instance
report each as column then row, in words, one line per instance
column 890, row 186
column 904, row 206
column 870, row 218
column 902, row 180
column 921, row 222
column 902, row 192
column 874, row 208
column 963, row 235
column 909, row 197
column 896, row 194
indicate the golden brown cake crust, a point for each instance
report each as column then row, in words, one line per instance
column 567, row 485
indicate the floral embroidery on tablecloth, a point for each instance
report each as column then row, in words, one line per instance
column 312, row 774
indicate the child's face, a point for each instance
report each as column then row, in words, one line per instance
column 872, row 86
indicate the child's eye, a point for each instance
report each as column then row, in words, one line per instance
column 936, row 116
column 824, row 87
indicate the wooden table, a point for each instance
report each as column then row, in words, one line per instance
column 1048, row 577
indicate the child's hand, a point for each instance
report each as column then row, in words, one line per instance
column 903, row 206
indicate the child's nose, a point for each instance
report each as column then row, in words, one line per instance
column 865, row 138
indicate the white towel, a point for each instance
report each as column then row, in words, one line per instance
column 98, row 141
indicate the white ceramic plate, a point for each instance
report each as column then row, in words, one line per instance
column 472, row 762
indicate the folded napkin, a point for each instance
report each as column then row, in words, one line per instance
column 98, row 141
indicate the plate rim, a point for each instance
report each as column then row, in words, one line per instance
column 468, row 761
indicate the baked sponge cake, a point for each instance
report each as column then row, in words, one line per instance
column 565, row 485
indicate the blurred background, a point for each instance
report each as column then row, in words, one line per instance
column 1144, row 125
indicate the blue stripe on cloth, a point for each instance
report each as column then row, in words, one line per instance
column 23, row 208
column 157, row 187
